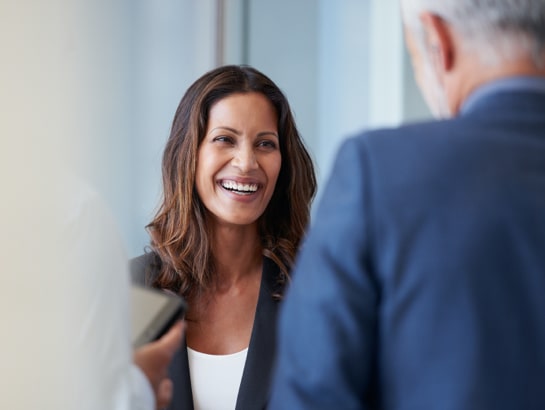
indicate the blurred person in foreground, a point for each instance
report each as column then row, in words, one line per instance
column 66, row 307
column 64, row 286
column 421, row 283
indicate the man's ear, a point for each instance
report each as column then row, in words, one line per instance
column 439, row 41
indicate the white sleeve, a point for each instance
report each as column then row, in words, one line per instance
column 103, row 344
column 142, row 397
column 64, row 302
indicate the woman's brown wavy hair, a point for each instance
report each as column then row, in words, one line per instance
column 179, row 230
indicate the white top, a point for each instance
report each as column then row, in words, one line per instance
column 215, row 379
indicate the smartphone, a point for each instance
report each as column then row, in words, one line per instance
column 153, row 313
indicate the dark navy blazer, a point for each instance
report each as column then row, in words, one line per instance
column 422, row 282
column 254, row 388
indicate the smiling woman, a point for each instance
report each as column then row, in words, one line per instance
column 239, row 159
column 237, row 189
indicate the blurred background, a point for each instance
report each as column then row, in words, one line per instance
column 115, row 70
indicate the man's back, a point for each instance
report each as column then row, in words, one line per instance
column 421, row 283
column 434, row 297
column 458, row 252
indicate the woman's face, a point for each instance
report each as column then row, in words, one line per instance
column 239, row 158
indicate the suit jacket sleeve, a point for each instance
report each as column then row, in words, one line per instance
column 327, row 331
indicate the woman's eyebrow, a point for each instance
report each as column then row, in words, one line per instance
column 263, row 133
column 236, row 132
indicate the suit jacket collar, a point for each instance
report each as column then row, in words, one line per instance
column 509, row 86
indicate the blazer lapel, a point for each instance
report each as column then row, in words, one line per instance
column 179, row 372
column 254, row 387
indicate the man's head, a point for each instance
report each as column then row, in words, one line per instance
column 457, row 45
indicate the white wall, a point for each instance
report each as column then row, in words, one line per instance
column 172, row 44
column 343, row 95
column 283, row 43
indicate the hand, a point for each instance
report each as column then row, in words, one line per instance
column 154, row 359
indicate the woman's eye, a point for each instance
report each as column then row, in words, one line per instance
column 267, row 144
column 223, row 138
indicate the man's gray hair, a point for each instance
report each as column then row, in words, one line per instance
column 498, row 30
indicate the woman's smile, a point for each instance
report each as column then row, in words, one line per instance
column 240, row 188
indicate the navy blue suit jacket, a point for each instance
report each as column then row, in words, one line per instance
column 422, row 282
column 254, row 388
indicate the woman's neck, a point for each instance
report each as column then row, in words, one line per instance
column 237, row 253
column 221, row 319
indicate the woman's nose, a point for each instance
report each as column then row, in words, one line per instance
column 245, row 159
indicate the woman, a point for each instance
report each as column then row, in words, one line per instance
column 237, row 188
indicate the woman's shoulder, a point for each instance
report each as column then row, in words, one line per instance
column 144, row 268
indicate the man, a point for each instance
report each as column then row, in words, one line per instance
column 421, row 284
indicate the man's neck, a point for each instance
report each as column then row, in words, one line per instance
column 472, row 74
